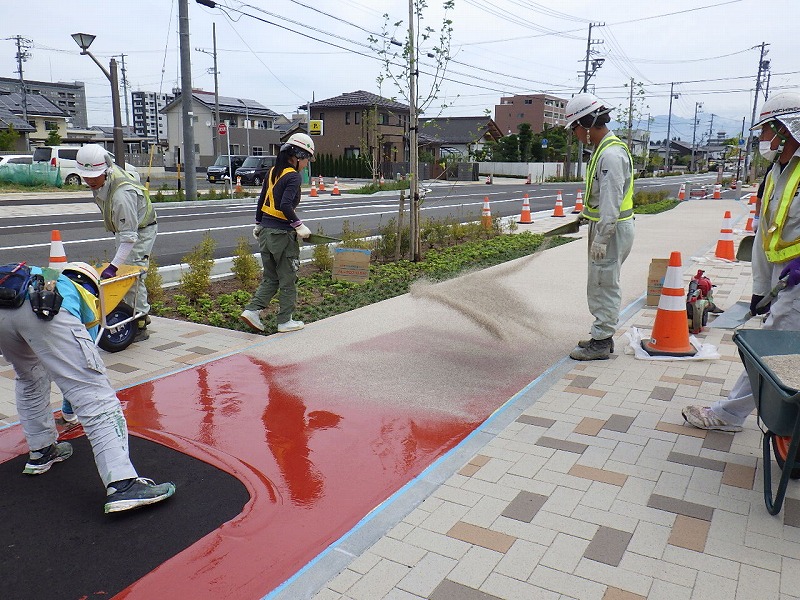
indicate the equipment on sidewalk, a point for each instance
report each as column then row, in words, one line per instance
column 318, row 238
column 725, row 243
column 558, row 210
column 745, row 250
column 740, row 313
column 699, row 302
column 571, row 227
column 525, row 215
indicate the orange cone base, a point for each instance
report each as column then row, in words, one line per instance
column 647, row 346
column 525, row 221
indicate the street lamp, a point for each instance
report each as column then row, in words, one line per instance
column 84, row 40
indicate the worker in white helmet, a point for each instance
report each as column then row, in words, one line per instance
column 128, row 214
column 608, row 205
column 278, row 230
column 776, row 250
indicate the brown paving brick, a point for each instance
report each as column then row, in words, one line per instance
column 538, row 421
column 195, row 333
column 584, row 391
column 201, row 350
column 450, row 590
column 740, row 476
column 122, row 368
column 680, row 380
column 608, row 545
column 583, row 381
column 613, row 593
column 696, row 461
column 689, row 533
column 681, row 429
column 9, row 374
column 718, row 440
column 680, row 507
column 480, row 460
column 480, row 536
column 524, row 507
column 168, row 346
column 594, row 474
column 548, row 442
column 589, row 426
column 619, row 423
column 469, row 470
column 791, row 512
column 704, row 378
column 662, row 393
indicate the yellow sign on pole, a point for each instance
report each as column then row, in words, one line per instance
column 315, row 127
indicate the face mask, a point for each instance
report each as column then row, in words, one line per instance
column 765, row 150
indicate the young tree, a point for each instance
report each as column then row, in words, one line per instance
column 370, row 141
column 525, row 141
column 53, row 139
column 8, row 138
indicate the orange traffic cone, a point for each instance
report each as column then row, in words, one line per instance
column 682, row 192
column 528, row 180
column 238, row 188
column 488, row 179
column 335, row 191
column 486, row 214
column 58, row 258
column 321, row 184
column 525, row 216
column 313, row 192
column 383, row 181
column 751, row 218
column 558, row 211
column 578, row 203
column 717, row 191
column 670, row 335
column 725, row 243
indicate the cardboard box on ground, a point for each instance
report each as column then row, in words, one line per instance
column 351, row 264
column 655, row 280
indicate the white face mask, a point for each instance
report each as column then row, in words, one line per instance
column 765, row 150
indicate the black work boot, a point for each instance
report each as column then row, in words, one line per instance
column 585, row 344
column 594, row 350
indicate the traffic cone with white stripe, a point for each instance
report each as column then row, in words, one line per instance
column 383, row 181
column 488, row 180
column 528, row 180
column 725, row 243
column 682, row 192
column 238, row 188
column 313, row 192
column 717, row 191
column 558, row 211
column 670, row 336
column 525, row 216
column 486, row 214
column 752, row 217
column 578, row 203
column 335, row 191
column 321, row 185
column 58, row 258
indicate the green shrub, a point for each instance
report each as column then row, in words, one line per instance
column 245, row 265
column 197, row 280
column 153, row 282
column 644, row 197
column 355, row 238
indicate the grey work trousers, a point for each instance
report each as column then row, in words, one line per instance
column 62, row 351
column 280, row 257
column 140, row 257
column 602, row 287
column 784, row 315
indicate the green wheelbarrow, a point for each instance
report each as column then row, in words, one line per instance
column 778, row 405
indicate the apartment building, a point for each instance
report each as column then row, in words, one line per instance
column 148, row 121
column 69, row 97
column 537, row 110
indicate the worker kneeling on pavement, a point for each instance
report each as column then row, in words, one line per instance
column 129, row 215
column 43, row 318
column 608, row 206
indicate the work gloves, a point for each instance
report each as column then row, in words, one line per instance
column 598, row 251
column 256, row 230
column 791, row 273
column 755, row 299
column 108, row 272
column 302, row 231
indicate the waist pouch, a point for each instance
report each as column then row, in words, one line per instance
column 14, row 282
column 45, row 298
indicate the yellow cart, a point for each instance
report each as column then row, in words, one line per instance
column 118, row 319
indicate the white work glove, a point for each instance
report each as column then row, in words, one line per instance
column 598, row 251
column 256, row 230
column 302, row 231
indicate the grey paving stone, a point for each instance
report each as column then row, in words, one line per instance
column 718, row 440
column 122, row 368
column 662, row 393
column 168, row 346
column 619, row 423
column 201, row 350
column 680, row 507
column 582, row 381
column 524, row 507
column 538, row 421
column 791, row 512
column 557, row 444
column 696, row 461
column 608, row 545
column 450, row 590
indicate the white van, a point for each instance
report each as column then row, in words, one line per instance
column 65, row 157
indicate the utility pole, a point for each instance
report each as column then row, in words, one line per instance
column 669, row 125
column 215, row 134
column 416, row 251
column 125, row 88
column 763, row 67
column 630, row 116
column 186, row 101
column 697, row 105
column 22, row 55
column 711, row 128
column 587, row 74
column 739, row 160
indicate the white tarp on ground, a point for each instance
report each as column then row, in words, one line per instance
column 634, row 336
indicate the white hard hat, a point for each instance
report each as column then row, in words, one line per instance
column 301, row 141
column 581, row 105
column 93, row 160
column 83, row 274
column 783, row 107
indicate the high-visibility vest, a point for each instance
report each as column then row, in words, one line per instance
column 626, row 208
column 118, row 178
column 92, row 302
column 776, row 249
column 269, row 206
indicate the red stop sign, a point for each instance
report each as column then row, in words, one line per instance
column 222, row 129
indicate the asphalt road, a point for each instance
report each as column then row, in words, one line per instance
column 183, row 226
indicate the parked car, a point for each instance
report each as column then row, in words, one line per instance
column 219, row 170
column 16, row 159
column 254, row 169
column 64, row 157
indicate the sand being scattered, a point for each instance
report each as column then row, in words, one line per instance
column 786, row 368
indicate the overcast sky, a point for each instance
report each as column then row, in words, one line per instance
column 320, row 48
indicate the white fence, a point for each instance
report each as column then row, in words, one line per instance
column 538, row 171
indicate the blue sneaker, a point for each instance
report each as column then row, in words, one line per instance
column 67, row 413
column 40, row 461
column 133, row 493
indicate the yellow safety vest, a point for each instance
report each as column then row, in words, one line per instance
column 626, row 208
column 93, row 302
column 776, row 249
column 119, row 178
column 269, row 206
